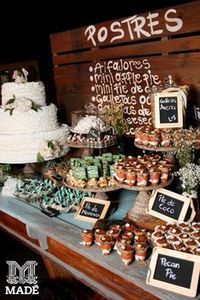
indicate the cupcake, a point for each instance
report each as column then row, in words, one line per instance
column 157, row 235
column 169, row 246
column 172, row 239
column 115, row 226
column 196, row 251
column 165, row 139
column 144, row 137
column 192, row 244
column 127, row 254
column 119, row 243
column 120, row 174
column 196, row 235
column 113, row 233
column 106, row 245
column 186, row 250
column 179, row 246
column 140, row 238
column 196, row 225
column 164, row 176
column 142, row 177
column 131, row 176
column 154, row 176
column 162, row 228
column 98, row 233
column 141, row 251
column 129, row 227
column 87, row 237
column 175, row 231
column 184, row 237
column 183, row 225
column 128, row 236
column 153, row 139
column 161, row 242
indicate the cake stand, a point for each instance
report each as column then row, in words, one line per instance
column 93, row 133
column 168, row 150
column 156, row 149
column 138, row 212
column 31, row 165
column 101, row 193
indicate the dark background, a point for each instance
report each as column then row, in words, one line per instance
column 26, row 25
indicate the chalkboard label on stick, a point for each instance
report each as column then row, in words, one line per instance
column 170, row 206
column 92, row 209
column 168, row 110
column 174, row 271
column 94, row 133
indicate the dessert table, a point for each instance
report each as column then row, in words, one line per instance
column 58, row 243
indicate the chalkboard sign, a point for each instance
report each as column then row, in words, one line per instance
column 92, row 209
column 170, row 206
column 174, row 271
column 167, row 110
column 94, row 133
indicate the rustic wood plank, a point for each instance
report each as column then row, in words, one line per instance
column 74, row 79
column 19, row 227
column 96, row 272
column 77, row 39
column 75, row 89
column 133, row 50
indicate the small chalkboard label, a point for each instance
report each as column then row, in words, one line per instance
column 94, row 133
column 170, row 206
column 168, row 110
column 174, row 271
column 92, row 209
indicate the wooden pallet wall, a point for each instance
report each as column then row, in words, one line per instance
column 117, row 61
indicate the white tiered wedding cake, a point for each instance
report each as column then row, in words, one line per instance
column 28, row 126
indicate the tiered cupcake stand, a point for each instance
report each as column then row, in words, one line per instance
column 138, row 212
column 100, row 193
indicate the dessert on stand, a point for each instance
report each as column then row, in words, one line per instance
column 167, row 135
column 92, row 174
column 91, row 132
column 143, row 174
column 165, row 139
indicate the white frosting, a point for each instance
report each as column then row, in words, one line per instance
column 24, row 148
column 44, row 119
column 34, row 91
column 25, row 132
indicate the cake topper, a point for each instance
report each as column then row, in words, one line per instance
column 20, row 76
